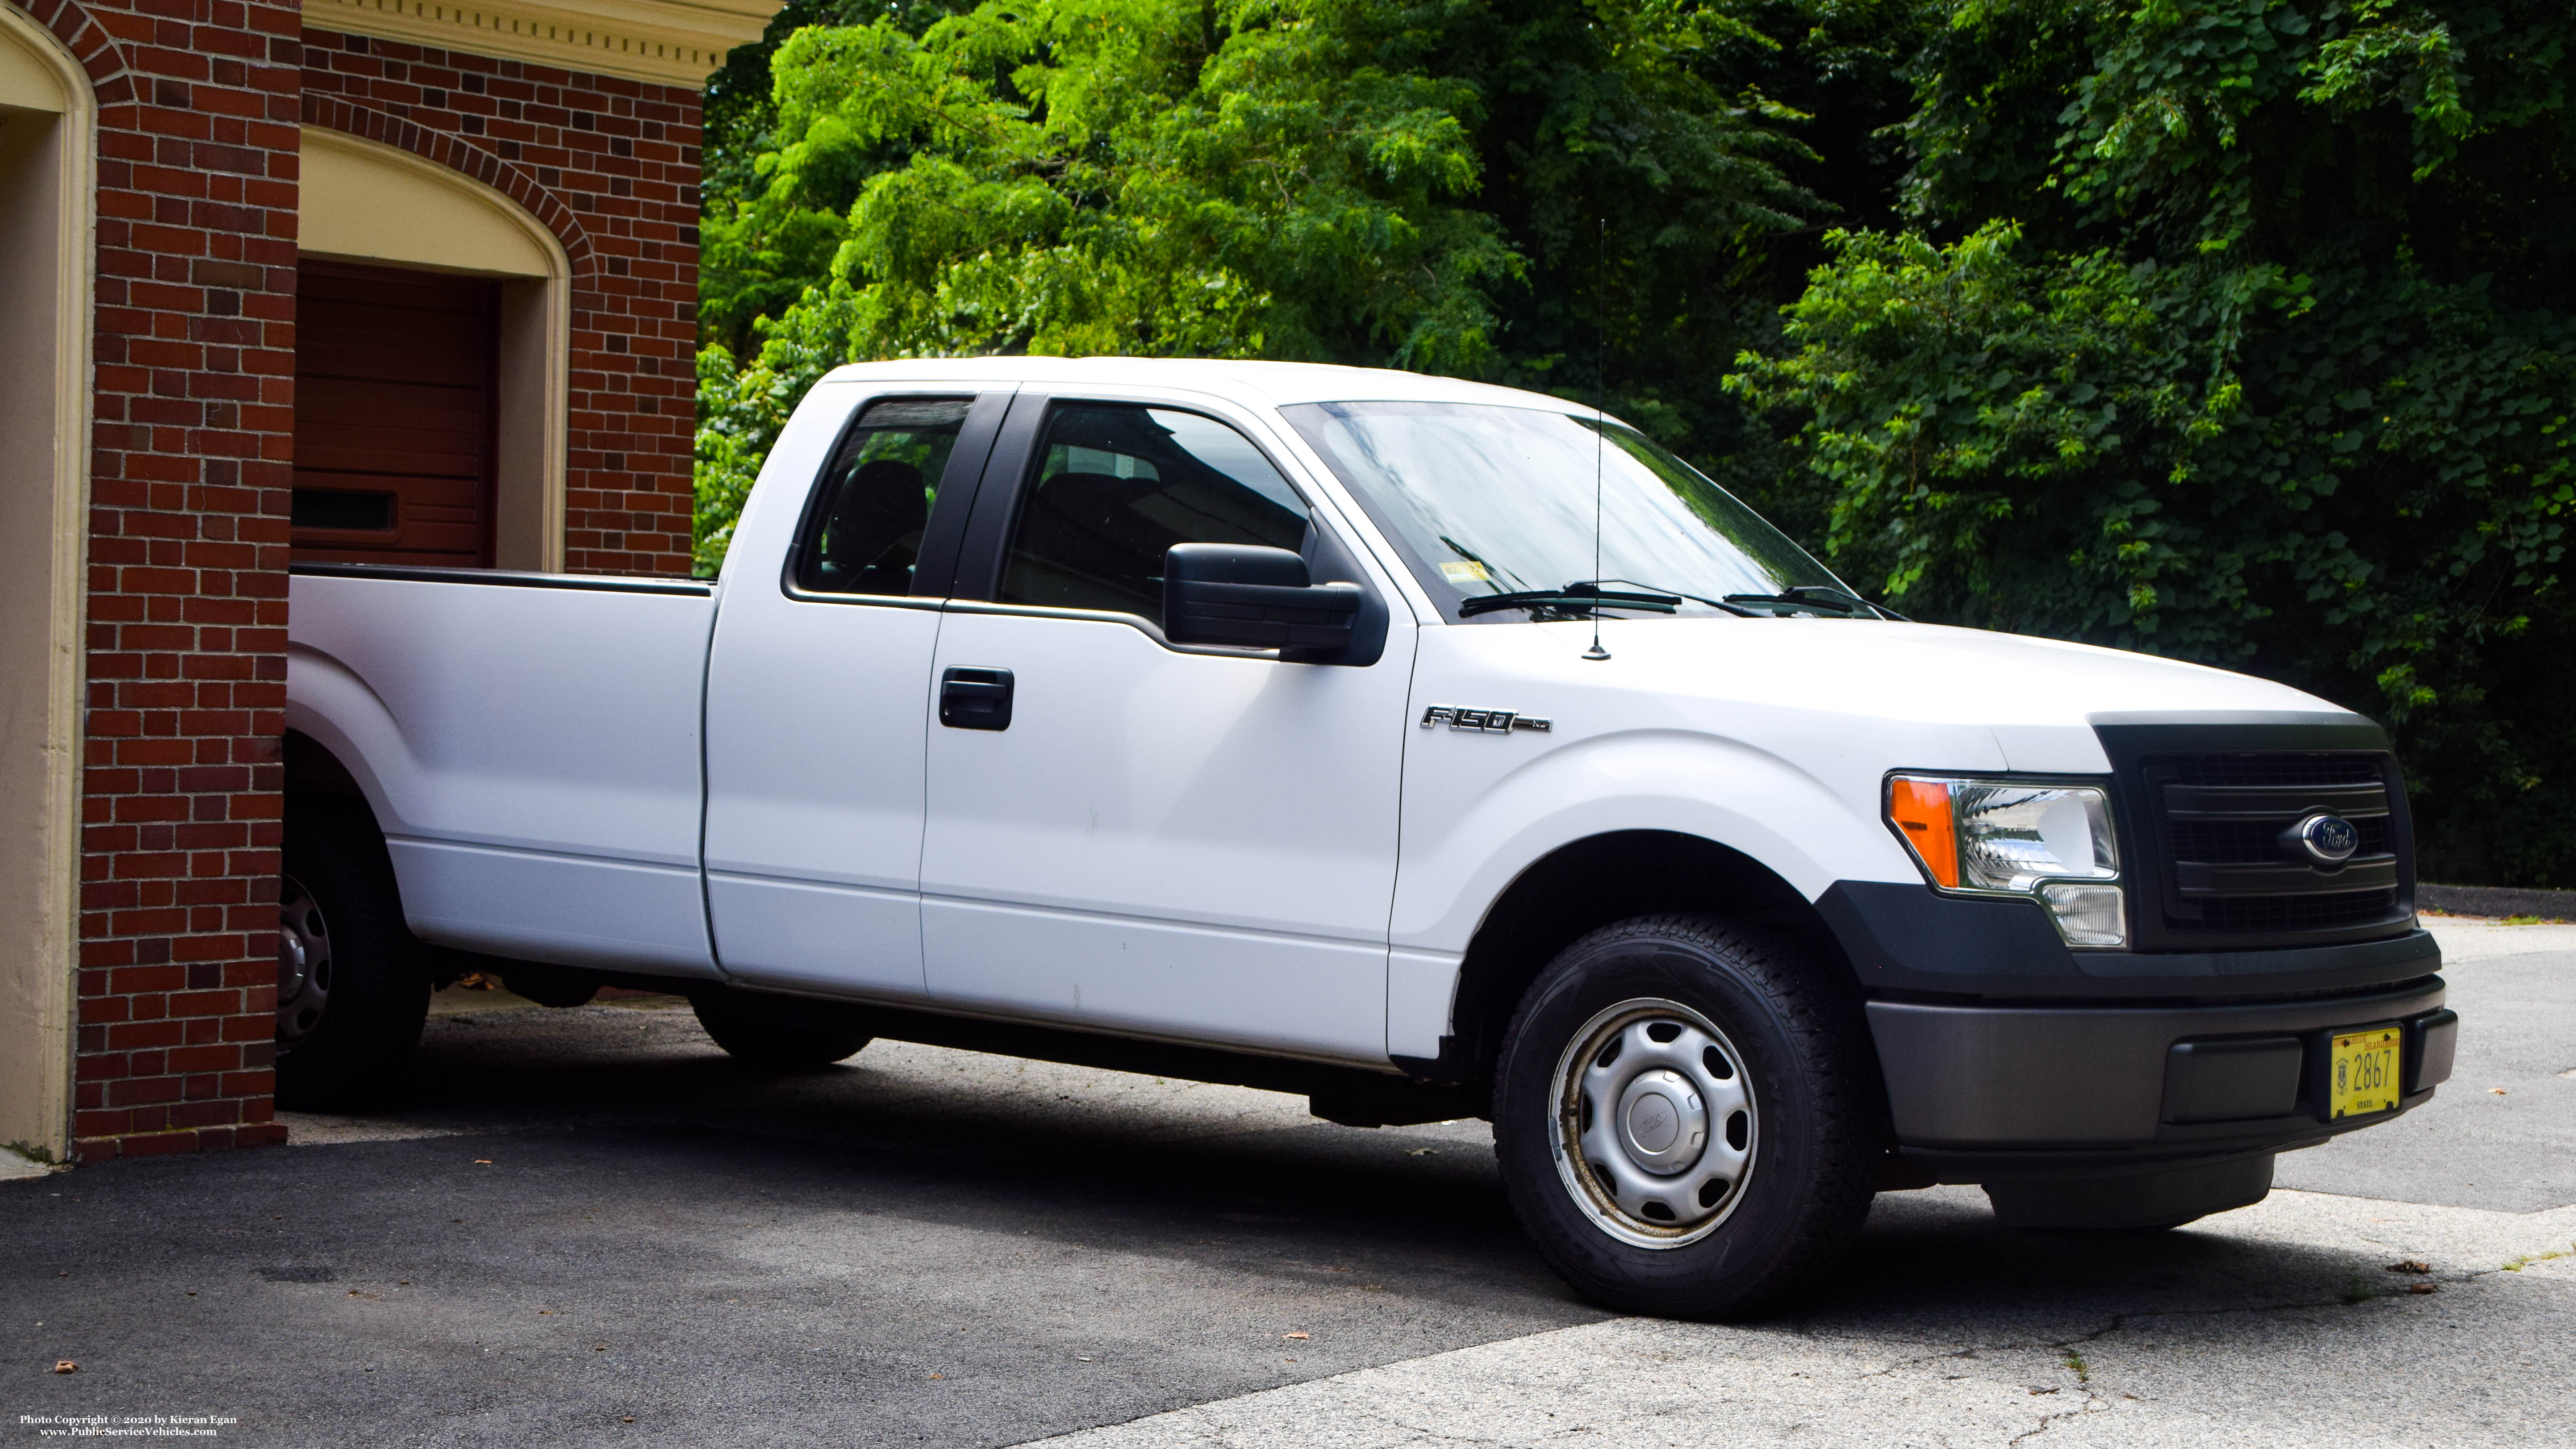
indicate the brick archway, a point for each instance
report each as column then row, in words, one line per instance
column 89, row 43
column 333, row 113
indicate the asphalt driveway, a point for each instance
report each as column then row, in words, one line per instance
column 588, row 1226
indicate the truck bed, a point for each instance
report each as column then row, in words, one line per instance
column 530, row 744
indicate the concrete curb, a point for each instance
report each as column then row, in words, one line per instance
column 2497, row 901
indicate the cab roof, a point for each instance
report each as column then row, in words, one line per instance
column 1274, row 383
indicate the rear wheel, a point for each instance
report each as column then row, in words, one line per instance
column 1685, row 1117
column 352, row 993
column 754, row 1036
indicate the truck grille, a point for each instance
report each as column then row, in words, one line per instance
column 2226, row 870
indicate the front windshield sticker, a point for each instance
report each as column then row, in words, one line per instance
column 1493, row 508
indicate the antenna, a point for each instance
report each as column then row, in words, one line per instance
column 1600, row 414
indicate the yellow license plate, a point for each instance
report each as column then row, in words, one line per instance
column 2362, row 1071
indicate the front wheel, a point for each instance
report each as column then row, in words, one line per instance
column 1687, row 1118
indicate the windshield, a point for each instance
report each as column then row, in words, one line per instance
column 1489, row 500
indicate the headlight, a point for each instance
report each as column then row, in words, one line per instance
column 2050, row 843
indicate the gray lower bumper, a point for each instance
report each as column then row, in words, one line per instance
column 2174, row 1080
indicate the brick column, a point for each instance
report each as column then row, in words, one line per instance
column 186, row 606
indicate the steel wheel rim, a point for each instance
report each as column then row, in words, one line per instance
column 303, row 961
column 1625, row 1118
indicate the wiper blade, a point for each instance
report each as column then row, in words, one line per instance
column 1573, row 597
column 1720, row 605
column 1817, row 596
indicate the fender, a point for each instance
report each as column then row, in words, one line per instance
column 331, row 704
column 1688, row 783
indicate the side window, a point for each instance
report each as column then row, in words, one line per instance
column 865, row 532
column 1117, row 486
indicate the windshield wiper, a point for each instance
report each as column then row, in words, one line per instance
column 1819, row 596
column 1720, row 605
column 1581, row 597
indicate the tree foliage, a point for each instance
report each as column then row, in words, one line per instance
column 1480, row 187
column 2254, row 346
column 2237, row 330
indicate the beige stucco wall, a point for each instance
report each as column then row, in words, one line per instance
column 46, row 168
column 364, row 202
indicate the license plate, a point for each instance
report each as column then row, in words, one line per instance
column 2362, row 1071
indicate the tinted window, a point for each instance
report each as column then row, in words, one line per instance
column 865, row 534
column 1117, row 486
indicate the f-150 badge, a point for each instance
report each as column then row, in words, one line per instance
column 1486, row 721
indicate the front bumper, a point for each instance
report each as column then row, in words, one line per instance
column 1904, row 939
column 1986, row 1092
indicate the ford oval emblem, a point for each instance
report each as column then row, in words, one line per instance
column 2328, row 839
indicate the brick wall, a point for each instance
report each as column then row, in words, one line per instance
column 611, row 166
column 194, row 347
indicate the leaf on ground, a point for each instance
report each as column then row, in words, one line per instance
column 2411, row 1265
column 65, row 1366
column 2423, row 1287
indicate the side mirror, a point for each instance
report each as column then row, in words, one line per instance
column 1252, row 598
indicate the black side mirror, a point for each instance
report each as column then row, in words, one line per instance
column 1252, row 598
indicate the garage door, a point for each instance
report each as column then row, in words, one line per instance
column 394, row 444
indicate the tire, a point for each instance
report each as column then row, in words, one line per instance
column 1682, row 1025
column 755, row 1038
column 353, row 991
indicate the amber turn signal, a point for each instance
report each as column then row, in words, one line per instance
column 1920, row 811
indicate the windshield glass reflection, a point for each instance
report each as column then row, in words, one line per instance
column 1487, row 500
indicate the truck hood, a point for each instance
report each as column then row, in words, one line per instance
column 2034, row 700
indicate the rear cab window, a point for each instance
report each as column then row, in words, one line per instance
column 863, row 534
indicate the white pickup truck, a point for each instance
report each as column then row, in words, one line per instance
column 1430, row 749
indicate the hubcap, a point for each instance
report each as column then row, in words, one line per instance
column 303, row 962
column 1655, row 1123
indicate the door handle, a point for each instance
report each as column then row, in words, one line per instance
column 975, row 699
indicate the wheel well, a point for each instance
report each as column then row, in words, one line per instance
column 1592, row 883
column 322, row 795
column 311, row 769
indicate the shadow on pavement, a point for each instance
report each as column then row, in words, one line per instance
column 619, row 1234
